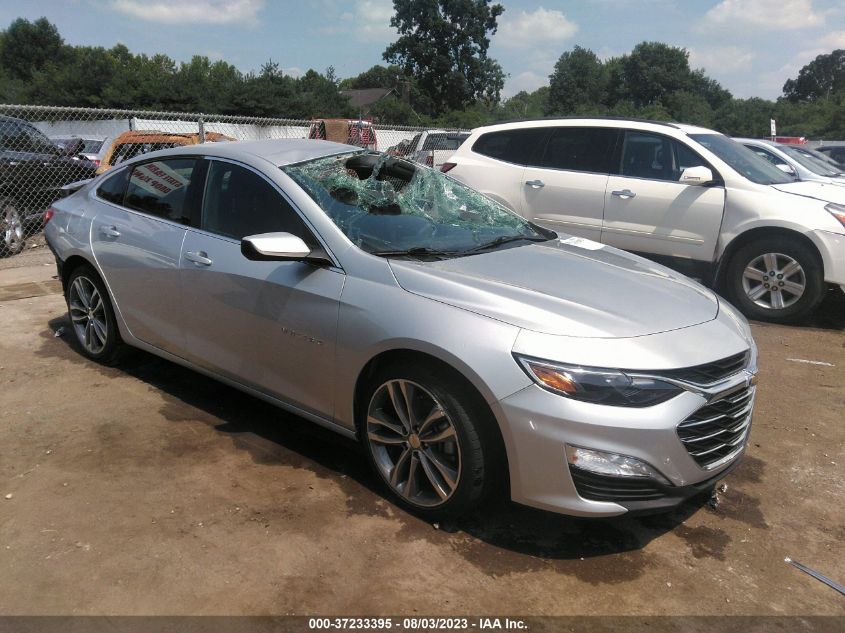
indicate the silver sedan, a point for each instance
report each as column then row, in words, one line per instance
column 470, row 351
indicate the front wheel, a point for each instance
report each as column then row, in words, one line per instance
column 11, row 228
column 775, row 279
column 423, row 436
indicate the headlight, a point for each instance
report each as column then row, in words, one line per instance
column 837, row 211
column 611, row 387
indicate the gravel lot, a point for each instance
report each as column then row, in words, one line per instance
column 149, row 489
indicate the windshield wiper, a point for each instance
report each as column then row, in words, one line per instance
column 506, row 239
column 415, row 252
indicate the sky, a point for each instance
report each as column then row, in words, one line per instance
column 750, row 46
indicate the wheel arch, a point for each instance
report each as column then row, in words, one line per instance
column 756, row 233
column 491, row 428
column 72, row 263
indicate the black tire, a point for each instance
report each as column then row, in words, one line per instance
column 12, row 237
column 795, row 306
column 111, row 347
column 479, row 459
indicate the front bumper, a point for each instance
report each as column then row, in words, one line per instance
column 539, row 425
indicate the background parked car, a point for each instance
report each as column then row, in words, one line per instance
column 827, row 160
column 358, row 132
column 136, row 142
column 33, row 170
column 93, row 148
column 836, row 152
column 434, row 147
column 682, row 195
column 790, row 160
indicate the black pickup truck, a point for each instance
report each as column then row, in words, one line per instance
column 33, row 171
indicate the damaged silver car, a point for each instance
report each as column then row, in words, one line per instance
column 470, row 351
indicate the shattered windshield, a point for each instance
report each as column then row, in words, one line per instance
column 389, row 206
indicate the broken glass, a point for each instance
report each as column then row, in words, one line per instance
column 387, row 205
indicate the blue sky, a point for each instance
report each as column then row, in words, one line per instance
column 750, row 46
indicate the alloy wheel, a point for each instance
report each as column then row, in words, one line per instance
column 774, row 281
column 414, row 443
column 11, row 229
column 88, row 315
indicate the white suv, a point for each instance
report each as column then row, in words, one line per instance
column 683, row 195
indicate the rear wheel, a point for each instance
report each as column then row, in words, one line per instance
column 11, row 228
column 92, row 316
column 423, row 436
column 775, row 279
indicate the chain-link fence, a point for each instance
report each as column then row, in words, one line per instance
column 44, row 148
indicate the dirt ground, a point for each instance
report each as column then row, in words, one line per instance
column 149, row 489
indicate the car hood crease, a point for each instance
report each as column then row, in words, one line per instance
column 563, row 289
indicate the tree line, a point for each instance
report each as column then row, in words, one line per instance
column 442, row 75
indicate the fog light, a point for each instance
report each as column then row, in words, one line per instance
column 611, row 464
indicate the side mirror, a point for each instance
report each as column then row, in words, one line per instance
column 786, row 168
column 274, row 247
column 696, row 176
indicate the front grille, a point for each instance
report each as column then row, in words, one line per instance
column 717, row 431
column 606, row 488
column 710, row 372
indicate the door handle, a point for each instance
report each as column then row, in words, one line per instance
column 625, row 194
column 535, row 184
column 109, row 231
column 198, row 257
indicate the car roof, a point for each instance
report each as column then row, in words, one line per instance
column 277, row 151
column 606, row 121
column 761, row 141
column 11, row 119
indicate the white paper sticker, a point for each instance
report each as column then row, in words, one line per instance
column 582, row 242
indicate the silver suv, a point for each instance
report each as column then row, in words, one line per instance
column 685, row 196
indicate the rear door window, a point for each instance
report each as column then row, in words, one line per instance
column 579, row 149
column 162, row 188
column 511, row 146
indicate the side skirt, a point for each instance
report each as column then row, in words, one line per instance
column 311, row 417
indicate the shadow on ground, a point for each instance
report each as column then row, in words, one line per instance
column 501, row 538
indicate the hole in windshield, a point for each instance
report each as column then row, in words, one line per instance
column 389, row 206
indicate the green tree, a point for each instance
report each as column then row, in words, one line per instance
column 579, row 81
column 394, row 110
column 820, row 79
column 524, row 105
column 653, row 70
column 689, row 107
column 375, row 77
column 745, row 117
column 28, row 47
column 443, row 44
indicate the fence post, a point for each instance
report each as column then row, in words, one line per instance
column 202, row 129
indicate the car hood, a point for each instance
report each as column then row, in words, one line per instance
column 826, row 192
column 569, row 287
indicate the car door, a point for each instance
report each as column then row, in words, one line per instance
column 137, row 234
column 648, row 210
column 564, row 186
column 270, row 325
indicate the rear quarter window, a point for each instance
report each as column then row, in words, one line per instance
column 114, row 187
column 511, row 146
